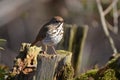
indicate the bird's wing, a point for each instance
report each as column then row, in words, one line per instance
column 42, row 33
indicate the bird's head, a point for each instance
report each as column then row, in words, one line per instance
column 57, row 19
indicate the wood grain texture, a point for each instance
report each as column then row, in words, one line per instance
column 50, row 66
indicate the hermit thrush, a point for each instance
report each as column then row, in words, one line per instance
column 51, row 33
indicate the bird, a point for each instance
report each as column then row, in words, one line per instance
column 51, row 33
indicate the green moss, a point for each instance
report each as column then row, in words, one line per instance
column 3, row 71
column 109, row 74
column 115, row 65
column 87, row 75
column 68, row 72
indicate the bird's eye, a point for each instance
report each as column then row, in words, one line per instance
column 57, row 21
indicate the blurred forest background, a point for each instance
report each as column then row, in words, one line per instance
column 20, row 21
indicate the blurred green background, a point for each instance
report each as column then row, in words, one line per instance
column 20, row 21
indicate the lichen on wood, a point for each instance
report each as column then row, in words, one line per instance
column 31, row 61
column 25, row 63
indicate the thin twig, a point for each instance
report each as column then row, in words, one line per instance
column 105, row 27
column 110, row 27
column 110, row 7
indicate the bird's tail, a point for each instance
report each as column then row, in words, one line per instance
column 32, row 44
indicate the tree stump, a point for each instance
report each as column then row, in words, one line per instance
column 55, row 67
column 31, row 64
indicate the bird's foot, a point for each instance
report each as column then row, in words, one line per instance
column 54, row 55
column 43, row 52
column 55, row 52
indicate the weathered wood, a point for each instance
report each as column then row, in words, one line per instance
column 32, row 60
column 52, row 67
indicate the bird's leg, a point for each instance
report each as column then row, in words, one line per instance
column 54, row 49
column 45, row 48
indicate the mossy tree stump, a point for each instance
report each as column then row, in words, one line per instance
column 55, row 67
column 111, row 71
column 31, row 64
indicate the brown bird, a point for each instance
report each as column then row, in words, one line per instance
column 51, row 33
